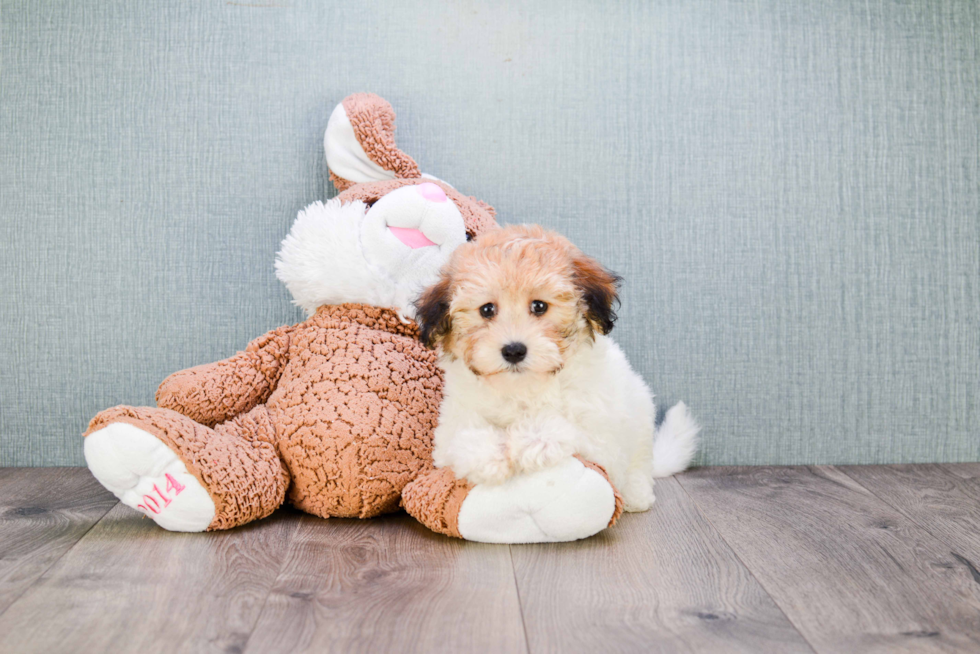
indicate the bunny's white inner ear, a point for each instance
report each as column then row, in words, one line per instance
column 345, row 156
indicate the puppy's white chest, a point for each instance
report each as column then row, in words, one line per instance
column 522, row 402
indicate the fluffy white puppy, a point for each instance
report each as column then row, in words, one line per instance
column 521, row 318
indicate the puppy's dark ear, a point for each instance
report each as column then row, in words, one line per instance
column 600, row 292
column 432, row 312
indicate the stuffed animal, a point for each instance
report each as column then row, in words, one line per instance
column 336, row 413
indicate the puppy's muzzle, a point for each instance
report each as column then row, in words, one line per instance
column 514, row 352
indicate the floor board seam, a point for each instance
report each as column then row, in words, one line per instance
column 748, row 569
column 520, row 602
column 40, row 577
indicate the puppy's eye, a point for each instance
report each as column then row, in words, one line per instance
column 469, row 237
column 538, row 307
column 488, row 310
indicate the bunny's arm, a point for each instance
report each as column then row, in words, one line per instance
column 216, row 392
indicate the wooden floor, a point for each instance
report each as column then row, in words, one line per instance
column 824, row 559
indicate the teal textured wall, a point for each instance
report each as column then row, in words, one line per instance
column 791, row 190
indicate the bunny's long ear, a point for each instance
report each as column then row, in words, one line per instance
column 360, row 143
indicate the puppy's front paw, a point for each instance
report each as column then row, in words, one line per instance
column 543, row 453
column 542, row 442
column 476, row 455
column 493, row 471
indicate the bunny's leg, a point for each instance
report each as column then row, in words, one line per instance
column 571, row 500
column 184, row 475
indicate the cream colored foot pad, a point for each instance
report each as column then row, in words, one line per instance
column 148, row 476
column 565, row 502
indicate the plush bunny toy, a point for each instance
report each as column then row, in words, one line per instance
column 336, row 413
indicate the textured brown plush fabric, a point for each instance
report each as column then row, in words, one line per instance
column 355, row 410
column 236, row 462
column 478, row 217
column 219, row 391
column 434, row 499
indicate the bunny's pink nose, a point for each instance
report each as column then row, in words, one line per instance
column 431, row 192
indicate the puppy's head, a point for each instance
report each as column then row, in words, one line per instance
column 518, row 300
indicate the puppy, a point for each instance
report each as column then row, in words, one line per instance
column 521, row 318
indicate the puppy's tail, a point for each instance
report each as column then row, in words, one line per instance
column 676, row 442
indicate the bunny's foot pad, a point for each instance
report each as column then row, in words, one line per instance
column 235, row 465
column 569, row 501
column 146, row 475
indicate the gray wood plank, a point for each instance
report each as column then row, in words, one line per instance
column 43, row 512
column 389, row 585
column 944, row 504
column 661, row 581
column 851, row 572
column 129, row 586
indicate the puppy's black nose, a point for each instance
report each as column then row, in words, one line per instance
column 514, row 352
